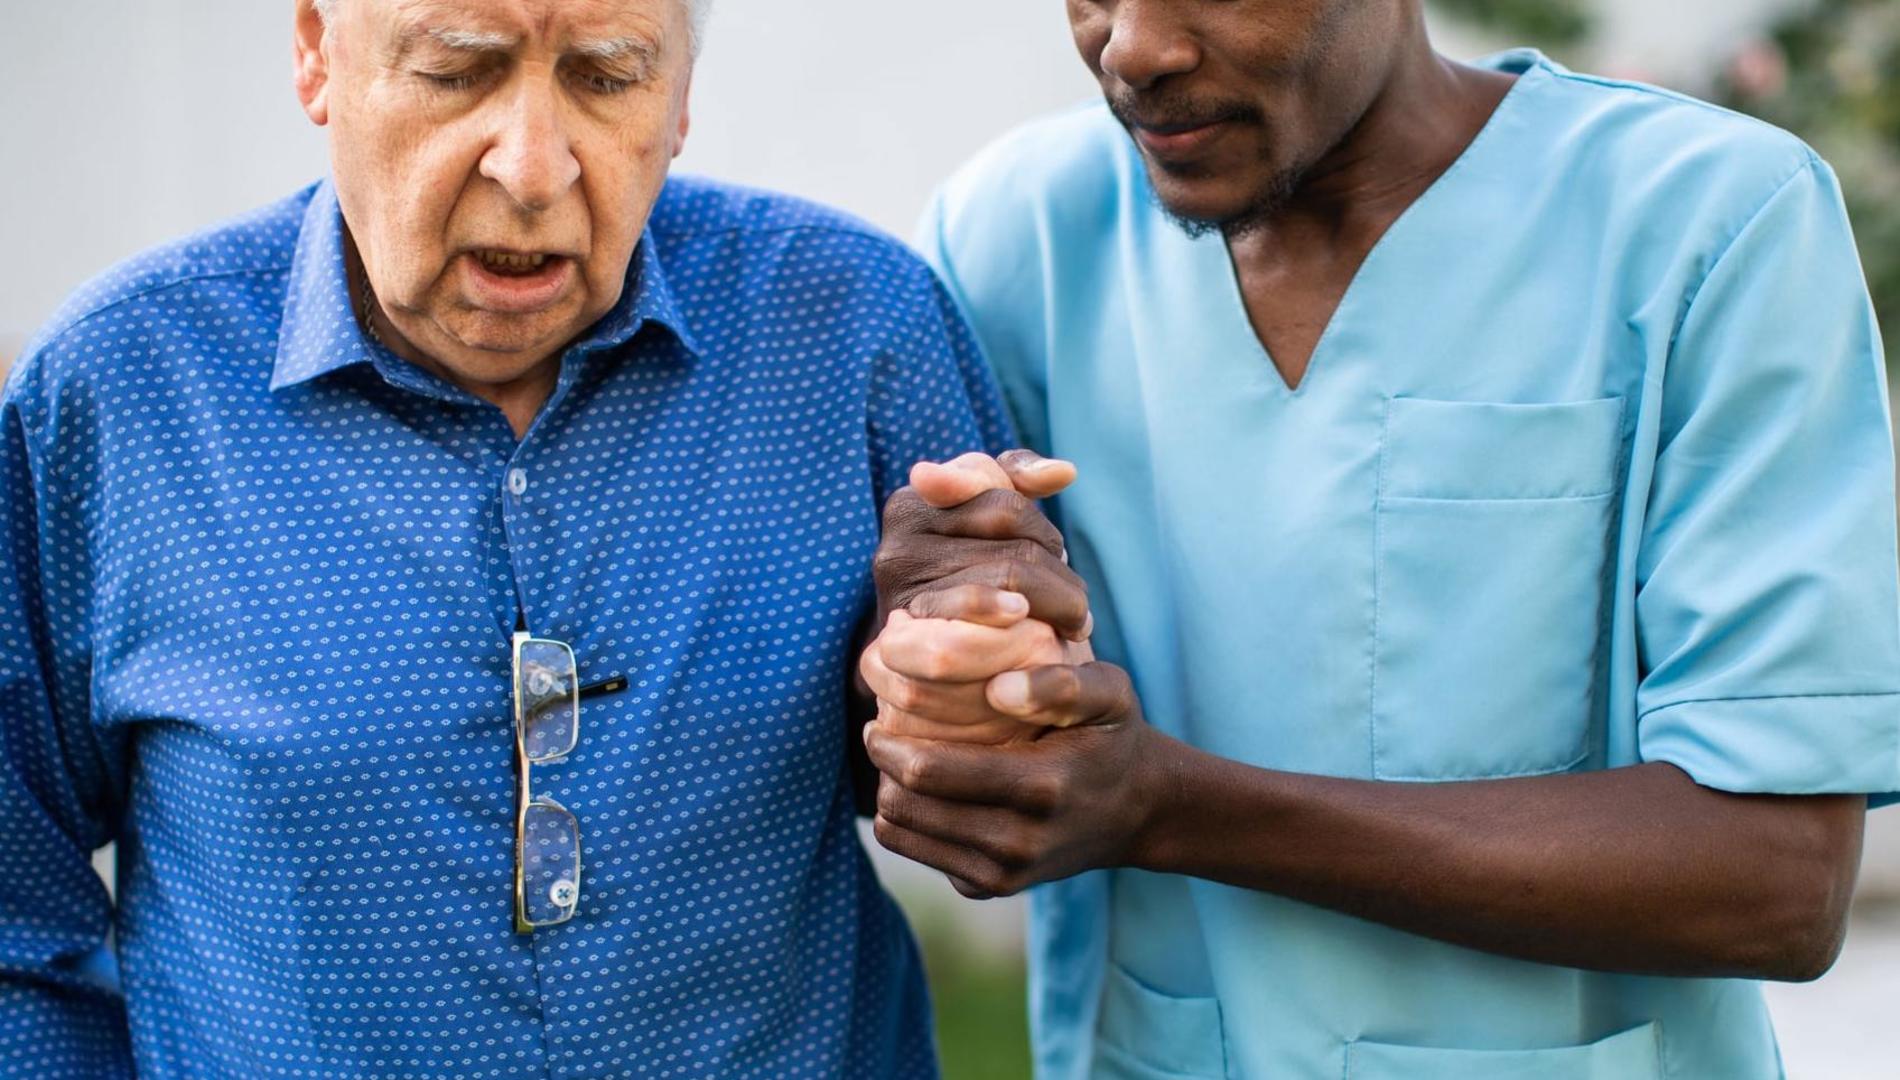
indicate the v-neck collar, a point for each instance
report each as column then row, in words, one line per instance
column 1214, row 262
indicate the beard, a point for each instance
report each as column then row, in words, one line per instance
column 1260, row 209
column 1166, row 110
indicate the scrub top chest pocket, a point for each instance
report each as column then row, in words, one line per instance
column 1491, row 576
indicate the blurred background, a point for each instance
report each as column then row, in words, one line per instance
column 127, row 122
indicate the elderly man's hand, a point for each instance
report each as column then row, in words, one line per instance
column 1076, row 794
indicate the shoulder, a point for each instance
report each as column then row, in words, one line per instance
column 1668, row 151
column 1061, row 180
column 167, row 293
column 695, row 214
column 720, row 242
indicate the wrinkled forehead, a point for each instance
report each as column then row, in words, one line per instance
column 569, row 25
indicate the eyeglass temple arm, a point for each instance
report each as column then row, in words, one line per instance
column 604, row 686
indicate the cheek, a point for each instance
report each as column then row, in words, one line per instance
column 405, row 176
column 621, row 179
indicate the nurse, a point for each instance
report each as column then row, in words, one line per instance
column 1486, row 507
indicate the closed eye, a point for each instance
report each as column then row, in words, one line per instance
column 450, row 83
column 603, row 84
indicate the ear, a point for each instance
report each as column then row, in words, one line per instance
column 686, row 116
column 312, row 70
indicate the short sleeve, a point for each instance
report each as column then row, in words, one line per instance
column 1767, row 608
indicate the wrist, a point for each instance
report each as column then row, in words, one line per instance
column 1162, row 774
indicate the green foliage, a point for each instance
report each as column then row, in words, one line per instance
column 980, row 1000
column 1831, row 74
column 1546, row 23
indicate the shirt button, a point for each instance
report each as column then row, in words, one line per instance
column 518, row 481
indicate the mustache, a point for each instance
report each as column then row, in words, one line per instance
column 1168, row 113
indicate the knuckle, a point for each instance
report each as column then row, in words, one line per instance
column 918, row 599
column 1063, row 688
column 1027, row 551
column 1044, row 792
column 903, row 693
column 1032, row 793
column 1016, row 849
column 974, row 599
column 891, row 802
column 936, row 661
column 987, row 879
column 893, row 562
column 997, row 513
column 1042, row 637
column 916, row 773
column 1004, row 884
column 904, row 508
column 886, row 833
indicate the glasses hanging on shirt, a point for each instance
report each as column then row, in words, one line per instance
column 548, row 696
column 547, row 837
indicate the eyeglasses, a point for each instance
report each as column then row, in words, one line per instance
column 547, row 837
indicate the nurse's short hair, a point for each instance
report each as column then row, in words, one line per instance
column 697, row 10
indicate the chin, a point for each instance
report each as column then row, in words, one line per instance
column 503, row 340
column 1202, row 206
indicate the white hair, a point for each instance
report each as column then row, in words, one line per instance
column 698, row 11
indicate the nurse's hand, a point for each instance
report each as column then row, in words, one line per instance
column 1072, row 789
column 998, row 819
column 974, row 521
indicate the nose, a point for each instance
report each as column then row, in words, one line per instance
column 531, row 156
column 1147, row 42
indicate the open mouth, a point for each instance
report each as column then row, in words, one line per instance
column 512, row 264
column 518, row 282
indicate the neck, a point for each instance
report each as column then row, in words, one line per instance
column 1418, row 123
column 520, row 400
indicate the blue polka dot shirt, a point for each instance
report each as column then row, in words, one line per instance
column 255, row 628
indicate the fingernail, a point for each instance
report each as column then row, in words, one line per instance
column 1010, row 691
column 1013, row 603
column 1088, row 627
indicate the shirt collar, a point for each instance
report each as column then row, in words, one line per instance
column 320, row 333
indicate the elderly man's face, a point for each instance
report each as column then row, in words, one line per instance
column 496, row 160
column 1232, row 101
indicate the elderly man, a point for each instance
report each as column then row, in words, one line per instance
column 442, row 585
column 1486, row 494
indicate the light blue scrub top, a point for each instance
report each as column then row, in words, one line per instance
column 1592, row 468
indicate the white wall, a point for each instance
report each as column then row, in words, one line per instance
column 126, row 122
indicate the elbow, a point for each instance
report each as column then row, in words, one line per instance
column 1797, row 928
column 1816, row 931
column 1805, row 953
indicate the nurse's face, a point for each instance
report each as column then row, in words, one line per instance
column 1232, row 102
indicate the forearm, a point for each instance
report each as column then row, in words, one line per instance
column 1633, row 870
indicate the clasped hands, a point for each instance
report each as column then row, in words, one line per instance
column 1008, row 754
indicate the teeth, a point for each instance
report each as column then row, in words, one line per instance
column 502, row 260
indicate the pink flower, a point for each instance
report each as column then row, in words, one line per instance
column 1759, row 69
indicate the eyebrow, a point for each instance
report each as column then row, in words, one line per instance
column 619, row 48
column 615, row 48
column 471, row 40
